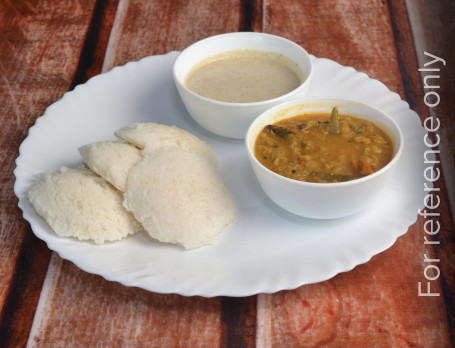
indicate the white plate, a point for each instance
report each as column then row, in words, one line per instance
column 266, row 249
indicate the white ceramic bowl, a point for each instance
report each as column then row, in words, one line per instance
column 233, row 119
column 323, row 200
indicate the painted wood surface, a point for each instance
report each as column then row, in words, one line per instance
column 40, row 45
column 48, row 48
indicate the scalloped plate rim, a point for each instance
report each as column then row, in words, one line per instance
column 187, row 291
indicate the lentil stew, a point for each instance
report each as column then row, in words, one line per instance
column 321, row 148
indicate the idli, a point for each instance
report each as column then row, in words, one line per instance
column 179, row 197
column 75, row 202
column 112, row 160
column 151, row 136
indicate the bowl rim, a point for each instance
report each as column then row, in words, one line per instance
column 298, row 101
column 302, row 85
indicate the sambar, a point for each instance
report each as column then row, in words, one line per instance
column 304, row 148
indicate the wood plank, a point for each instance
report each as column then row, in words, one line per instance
column 357, row 34
column 238, row 322
column 72, row 301
column 120, row 316
column 251, row 15
column 433, row 29
column 157, row 27
column 24, row 291
column 39, row 49
column 81, row 309
column 96, row 41
column 376, row 303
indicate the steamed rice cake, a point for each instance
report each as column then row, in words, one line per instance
column 112, row 160
column 75, row 202
column 151, row 136
column 179, row 197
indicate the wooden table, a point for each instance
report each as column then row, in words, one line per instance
column 49, row 47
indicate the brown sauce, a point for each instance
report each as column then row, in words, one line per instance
column 302, row 148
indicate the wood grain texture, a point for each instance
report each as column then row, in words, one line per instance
column 81, row 309
column 24, row 291
column 48, row 47
column 433, row 28
column 72, row 300
column 157, row 27
column 238, row 321
column 427, row 21
column 39, row 49
column 95, row 44
column 352, row 33
column 376, row 304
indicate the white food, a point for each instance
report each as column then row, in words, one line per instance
column 244, row 76
column 152, row 136
column 77, row 203
column 179, row 197
column 112, row 160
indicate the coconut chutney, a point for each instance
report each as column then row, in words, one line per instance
column 244, row 76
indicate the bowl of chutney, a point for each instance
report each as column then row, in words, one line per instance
column 227, row 80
